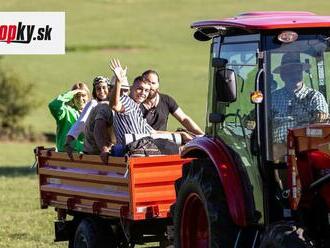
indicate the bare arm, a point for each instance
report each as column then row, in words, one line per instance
column 102, row 139
column 120, row 74
column 115, row 97
column 186, row 137
column 187, row 122
column 101, row 135
column 67, row 146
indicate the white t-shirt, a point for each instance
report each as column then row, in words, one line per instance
column 79, row 126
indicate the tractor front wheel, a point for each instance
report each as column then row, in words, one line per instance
column 285, row 235
column 202, row 217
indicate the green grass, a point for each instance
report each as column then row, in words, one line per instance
column 22, row 224
column 143, row 34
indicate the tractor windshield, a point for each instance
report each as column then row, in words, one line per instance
column 298, row 88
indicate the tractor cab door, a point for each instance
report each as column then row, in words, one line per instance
column 299, row 92
column 234, row 67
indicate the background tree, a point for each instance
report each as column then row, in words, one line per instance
column 16, row 102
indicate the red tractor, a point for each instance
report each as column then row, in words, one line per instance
column 258, row 178
column 261, row 177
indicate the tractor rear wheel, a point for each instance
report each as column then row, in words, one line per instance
column 201, row 216
column 285, row 235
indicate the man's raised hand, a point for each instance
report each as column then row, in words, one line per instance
column 117, row 69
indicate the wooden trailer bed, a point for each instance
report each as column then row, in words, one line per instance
column 135, row 188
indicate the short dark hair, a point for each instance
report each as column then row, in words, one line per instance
column 138, row 80
column 148, row 72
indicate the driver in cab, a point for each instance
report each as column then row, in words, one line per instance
column 295, row 104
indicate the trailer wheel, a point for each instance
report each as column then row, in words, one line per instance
column 202, row 217
column 285, row 235
column 92, row 234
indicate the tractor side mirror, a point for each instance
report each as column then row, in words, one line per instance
column 226, row 85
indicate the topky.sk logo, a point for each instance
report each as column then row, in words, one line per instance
column 21, row 33
column 32, row 33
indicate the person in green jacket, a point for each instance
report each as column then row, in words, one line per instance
column 66, row 109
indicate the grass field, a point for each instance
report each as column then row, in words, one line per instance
column 22, row 223
column 143, row 34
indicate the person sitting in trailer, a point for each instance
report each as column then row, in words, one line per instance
column 66, row 109
column 157, row 107
column 102, row 87
column 128, row 118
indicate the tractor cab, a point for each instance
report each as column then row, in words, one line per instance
column 269, row 72
column 268, row 105
column 297, row 95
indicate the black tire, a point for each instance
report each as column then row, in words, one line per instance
column 200, row 179
column 164, row 243
column 285, row 235
column 93, row 234
column 71, row 243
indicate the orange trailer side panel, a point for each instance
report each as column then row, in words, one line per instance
column 152, row 182
column 131, row 187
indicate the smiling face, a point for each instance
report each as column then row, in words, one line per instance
column 81, row 95
column 102, row 91
column 140, row 91
column 80, row 99
column 152, row 78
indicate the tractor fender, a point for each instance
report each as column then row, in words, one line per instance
column 227, row 171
